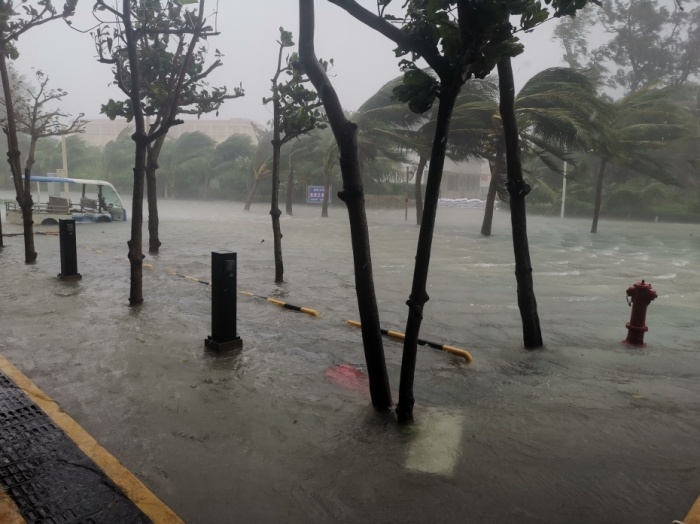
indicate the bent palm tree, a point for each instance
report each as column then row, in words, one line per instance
column 557, row 111
column 643, row 123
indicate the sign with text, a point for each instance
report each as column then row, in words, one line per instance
column 314, row 194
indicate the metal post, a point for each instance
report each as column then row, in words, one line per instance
column 223, row 303
column 563, row 192
column 69, row 256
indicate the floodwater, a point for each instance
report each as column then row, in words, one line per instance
column 586, row 430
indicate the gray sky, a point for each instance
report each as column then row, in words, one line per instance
column 364, row 60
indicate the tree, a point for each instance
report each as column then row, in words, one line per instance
column 34, row 118
column 232, row 159
column 459, row 40
column 187, row 165
column 345, row 133
column 136, row 44
column 13, row 23
column 260, row 166
column 295, row 111
column 643, row 122
column 172, row 72
column 648, row 42
column 118, row 166
column 558, row 112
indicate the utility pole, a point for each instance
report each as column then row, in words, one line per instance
column 563, row 191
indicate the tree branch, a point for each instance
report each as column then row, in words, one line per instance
column 379, row 24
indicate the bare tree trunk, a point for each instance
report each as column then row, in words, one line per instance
column 141, row 141
column 419, row 295
column 345, row 133
column 27, row 206
column 152, row 191
column 290, row 190
column 274, row 204
column 598, row 194
column 23, row 190
column 495, row 168
column 135, row 244
column 518, row 189
column 251, row 194
column 418, row 189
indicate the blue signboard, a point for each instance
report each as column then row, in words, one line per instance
column 314, row 194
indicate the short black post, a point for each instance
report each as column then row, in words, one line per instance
column 69, row 255
column 223, row 303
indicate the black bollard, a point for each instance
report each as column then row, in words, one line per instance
column 223, row 303
column 69, row 255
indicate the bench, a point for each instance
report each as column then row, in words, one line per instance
column 58, row 205
column 89, row 204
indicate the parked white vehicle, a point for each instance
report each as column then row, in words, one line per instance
column 78, row 199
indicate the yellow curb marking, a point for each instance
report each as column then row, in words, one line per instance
column 9, row 512
column 694, row 515
column 139, row 494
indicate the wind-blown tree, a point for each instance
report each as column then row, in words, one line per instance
column 83, row 160
column 411, row 132
column 302, row 160
column 642, row 123
column 330, row 156
column 352, row 194
column 231, row 161
column 187, row 164
column 648, row 42
column 117, row 161
column 558, row 112
column 295, row 112
column 14, row 21
column 459, row 40
column 173, row 71
column 260, row 168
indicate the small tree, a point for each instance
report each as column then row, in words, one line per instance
column 136, row 44
column 459, row 40
column 13, row 23
column 295, row 112
column 36, row 120
column 172, row 77
column 345, row 133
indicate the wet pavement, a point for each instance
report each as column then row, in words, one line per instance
column 586, row 430
column 45, row 473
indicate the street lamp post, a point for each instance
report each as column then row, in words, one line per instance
column 563, row 191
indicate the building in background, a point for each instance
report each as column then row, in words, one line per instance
column 468, row 179
column 99, row 132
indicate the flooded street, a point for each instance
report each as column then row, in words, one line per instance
column 586, row 430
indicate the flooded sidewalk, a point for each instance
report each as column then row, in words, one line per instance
column 585, row 430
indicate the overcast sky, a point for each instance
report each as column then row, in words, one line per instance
column 364, row 60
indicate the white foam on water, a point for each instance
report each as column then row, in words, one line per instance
column 436, row 447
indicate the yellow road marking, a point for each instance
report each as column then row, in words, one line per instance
column 139, row 494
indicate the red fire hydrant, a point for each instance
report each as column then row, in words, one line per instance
column 640, row 296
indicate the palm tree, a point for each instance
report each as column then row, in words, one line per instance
column 643, row 123
column 557, row 111
column 261, row 166
column 231, row 159
column 409, row 132
column 180, row 159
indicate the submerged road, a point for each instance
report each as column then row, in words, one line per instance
column 586, row 430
